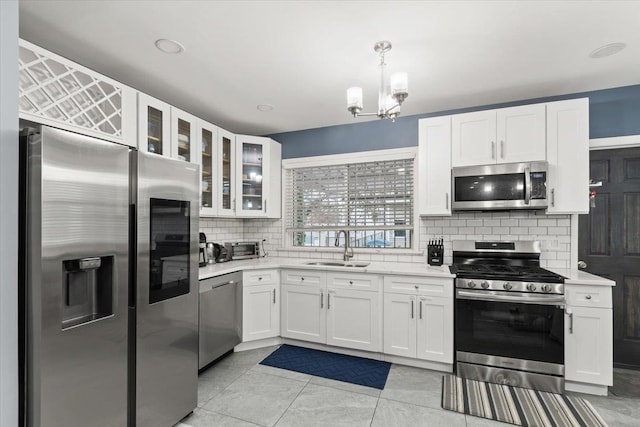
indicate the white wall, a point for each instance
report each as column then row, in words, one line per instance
column 8, row 213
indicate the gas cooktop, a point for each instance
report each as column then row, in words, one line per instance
column 505, row 272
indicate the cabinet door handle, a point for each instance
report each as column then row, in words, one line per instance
column 259, row 278
column 493, row 150
column 234, row 205
column 446, row 201
column 553, row 197
column 265, row 205
column 588, row 297
column 274, row 295
column 412, row 309
column 420, row 309
column 501, row 149
column 328, row 300
column 321, row 299
column 570, row 313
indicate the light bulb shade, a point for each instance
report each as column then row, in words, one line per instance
column 354, row 98
column 399, row 83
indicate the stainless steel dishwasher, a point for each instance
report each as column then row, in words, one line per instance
column 220, row 316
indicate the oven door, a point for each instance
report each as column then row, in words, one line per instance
column 510, row 325
column 504, row 186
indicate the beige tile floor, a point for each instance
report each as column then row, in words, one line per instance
column 237, row 391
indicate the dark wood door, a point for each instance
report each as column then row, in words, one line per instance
column 609, row 242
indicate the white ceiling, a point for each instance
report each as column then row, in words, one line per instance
column 300, row 56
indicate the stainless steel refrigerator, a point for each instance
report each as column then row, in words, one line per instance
column 100, row 344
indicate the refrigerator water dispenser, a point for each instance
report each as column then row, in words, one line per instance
column 87, row 290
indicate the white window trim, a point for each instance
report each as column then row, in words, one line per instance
column 349, row 158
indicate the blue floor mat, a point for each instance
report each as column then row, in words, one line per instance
column 340, row 367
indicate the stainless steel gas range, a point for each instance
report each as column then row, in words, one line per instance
column 509, row 321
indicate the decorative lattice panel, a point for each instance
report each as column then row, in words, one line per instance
column 58, row 91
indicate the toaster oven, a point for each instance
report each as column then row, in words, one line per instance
column 243, row 250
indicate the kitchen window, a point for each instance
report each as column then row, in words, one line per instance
column 370, row 195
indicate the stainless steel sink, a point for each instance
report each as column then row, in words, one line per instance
column 339, row 263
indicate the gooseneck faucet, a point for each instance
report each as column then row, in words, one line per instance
column 347, row 255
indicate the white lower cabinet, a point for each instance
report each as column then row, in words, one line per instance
column 589, row 335
column 303, row 314
column 400, row 325
column 353, row 319
column 261, row 305
column 418, row 325
column 435, row 329
column 332, row 308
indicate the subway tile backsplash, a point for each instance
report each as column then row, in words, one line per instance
column 553, row 231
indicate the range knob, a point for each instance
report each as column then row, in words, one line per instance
column 531, row 287
column 471, row 284
column 546, row 288
column 507, row 286
column 484, row 284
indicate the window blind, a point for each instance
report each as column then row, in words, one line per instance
column 359, row 197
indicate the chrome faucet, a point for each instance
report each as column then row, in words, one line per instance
column 347, row 255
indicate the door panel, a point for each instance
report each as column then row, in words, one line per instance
column 399, row 325
column 353, row 319
column 609, row 242
column 303, row 314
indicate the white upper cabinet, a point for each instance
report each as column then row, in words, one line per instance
column 226, row 171
column 154, row 125
column 206, row 150
column 258, row 169
column 506, row 135
column 521, row 134
column 434, row 166
column 183, row 136
column 568, row 156
column 473, row 138
column 57, row 92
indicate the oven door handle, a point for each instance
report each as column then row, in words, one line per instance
column 522, row 298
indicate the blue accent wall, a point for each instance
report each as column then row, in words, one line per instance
column 612, row 112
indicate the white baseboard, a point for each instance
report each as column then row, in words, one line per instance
column 252, row 345
column 419, row 363
column 598, row 390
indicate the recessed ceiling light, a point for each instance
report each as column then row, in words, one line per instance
column 607, row 50
column 169, row 46
column 265, row 107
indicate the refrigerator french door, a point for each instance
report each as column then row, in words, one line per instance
column 73, row 279
column 166, row 296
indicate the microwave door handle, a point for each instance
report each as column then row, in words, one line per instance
column 527, row 185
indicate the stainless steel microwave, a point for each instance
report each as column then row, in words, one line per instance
column 500, row 187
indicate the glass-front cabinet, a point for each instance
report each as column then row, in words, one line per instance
column 183, row 136
column 254, row 162
column 226, row 160
column 208, row 153
column 154, row 130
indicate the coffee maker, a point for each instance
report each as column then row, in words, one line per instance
column 203, row 259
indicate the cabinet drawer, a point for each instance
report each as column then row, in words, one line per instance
column 588, row 296
column 302, row 277
column 260, row 277
column 419, row 285
column 364, row 282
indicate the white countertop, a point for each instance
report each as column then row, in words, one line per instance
column 213, row 270
column 579, row 277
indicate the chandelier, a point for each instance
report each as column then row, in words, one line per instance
column 390, row 96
